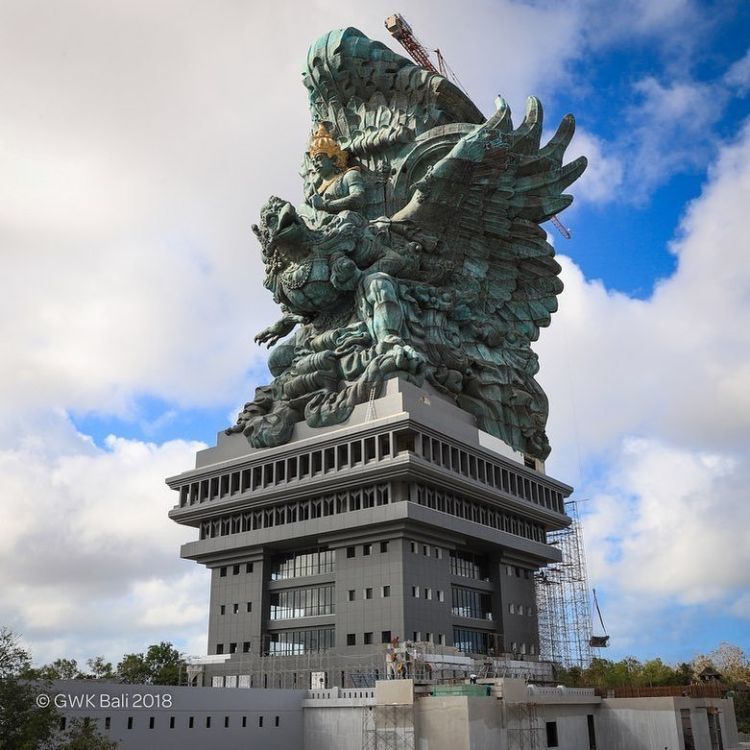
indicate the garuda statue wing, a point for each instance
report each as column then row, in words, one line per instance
column 479, row 209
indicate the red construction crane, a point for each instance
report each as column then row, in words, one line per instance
column 402, row 32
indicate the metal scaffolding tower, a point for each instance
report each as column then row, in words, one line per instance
column 389, row 727
column 562, row 595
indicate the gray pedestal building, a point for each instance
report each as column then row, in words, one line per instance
column 405, row 521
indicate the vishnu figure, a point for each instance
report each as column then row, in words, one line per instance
column 337, row 187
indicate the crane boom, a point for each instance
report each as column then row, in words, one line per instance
column 402, row 32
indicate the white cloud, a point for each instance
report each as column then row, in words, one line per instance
column 90, row 558
column 652, row 397
column 602, row 180
column 738, row 75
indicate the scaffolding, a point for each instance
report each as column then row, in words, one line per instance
column 523, row 726
column 388, row 727
column 562, row 596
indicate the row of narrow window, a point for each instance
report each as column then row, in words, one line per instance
column 274, row 473
column 470, row 603
column 473, row 510
column 312, row 601
column 358, row 498
column 296, row 642
column 191, row 723
column 487, row 472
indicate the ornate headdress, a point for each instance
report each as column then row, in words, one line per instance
column 322, row 142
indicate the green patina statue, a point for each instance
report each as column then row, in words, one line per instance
column 417, row 252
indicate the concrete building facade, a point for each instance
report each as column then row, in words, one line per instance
column 406, row 521
column 501, row 714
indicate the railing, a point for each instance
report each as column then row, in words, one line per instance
column 345, row 693
column 540, row 690
column 707, row 690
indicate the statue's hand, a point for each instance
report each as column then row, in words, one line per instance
column 317, row 201
column 269, row 336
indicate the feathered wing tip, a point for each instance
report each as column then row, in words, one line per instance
column 528, row 135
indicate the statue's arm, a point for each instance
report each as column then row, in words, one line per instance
column 354, row 200
column 269, row 336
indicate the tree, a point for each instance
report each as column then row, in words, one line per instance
column 165, row 664
column 23, row 724
column 161, row 665
column 133, row 669
column 100, row 669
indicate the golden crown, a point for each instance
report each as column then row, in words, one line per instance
column 322, row 142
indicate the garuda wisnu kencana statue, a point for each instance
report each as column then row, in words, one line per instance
column 417, row 253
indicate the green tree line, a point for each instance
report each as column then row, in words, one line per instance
column 26, row 726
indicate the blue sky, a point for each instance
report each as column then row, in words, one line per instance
column 140, row 142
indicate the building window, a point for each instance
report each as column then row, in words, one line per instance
column 297, row 642
column 416, row 636
column 438, row 553
column 191, row 722
column 246, row 647
column 130, row 722
column 440, row 595
column 425, row 550
column 386, row 591
column 108, row 722
column 236, row 608
column 300, row 564
column 222, row 609
column 223, row 572
column 219, row 648
column 428, row 637
column 551, row 727
column 64, row 722
column 244, row 722
column 592, row 731
column 512, row 608
column 276, row 720
column 441, row 639
column 235, row 570
column 367, row 640
column 368, row 593
column 260, row 721
column 428, row 594
column 307, row 602
column 351, row 639
column 415, row 592
column 171, row 722
column 232, row 648
column 366, row 549
column 414, row 547
column 151, row 722
column 352, row 595
column 249, row 568
column 385, row 636
column 351, row 551
column 468, row 565
column 384, row 546
column 249, row 606
column 226, row 722
column 472, row 641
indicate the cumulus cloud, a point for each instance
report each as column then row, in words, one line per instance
column 602, row 180
column 656, row 390
column 738, row 75
column 89, row 556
